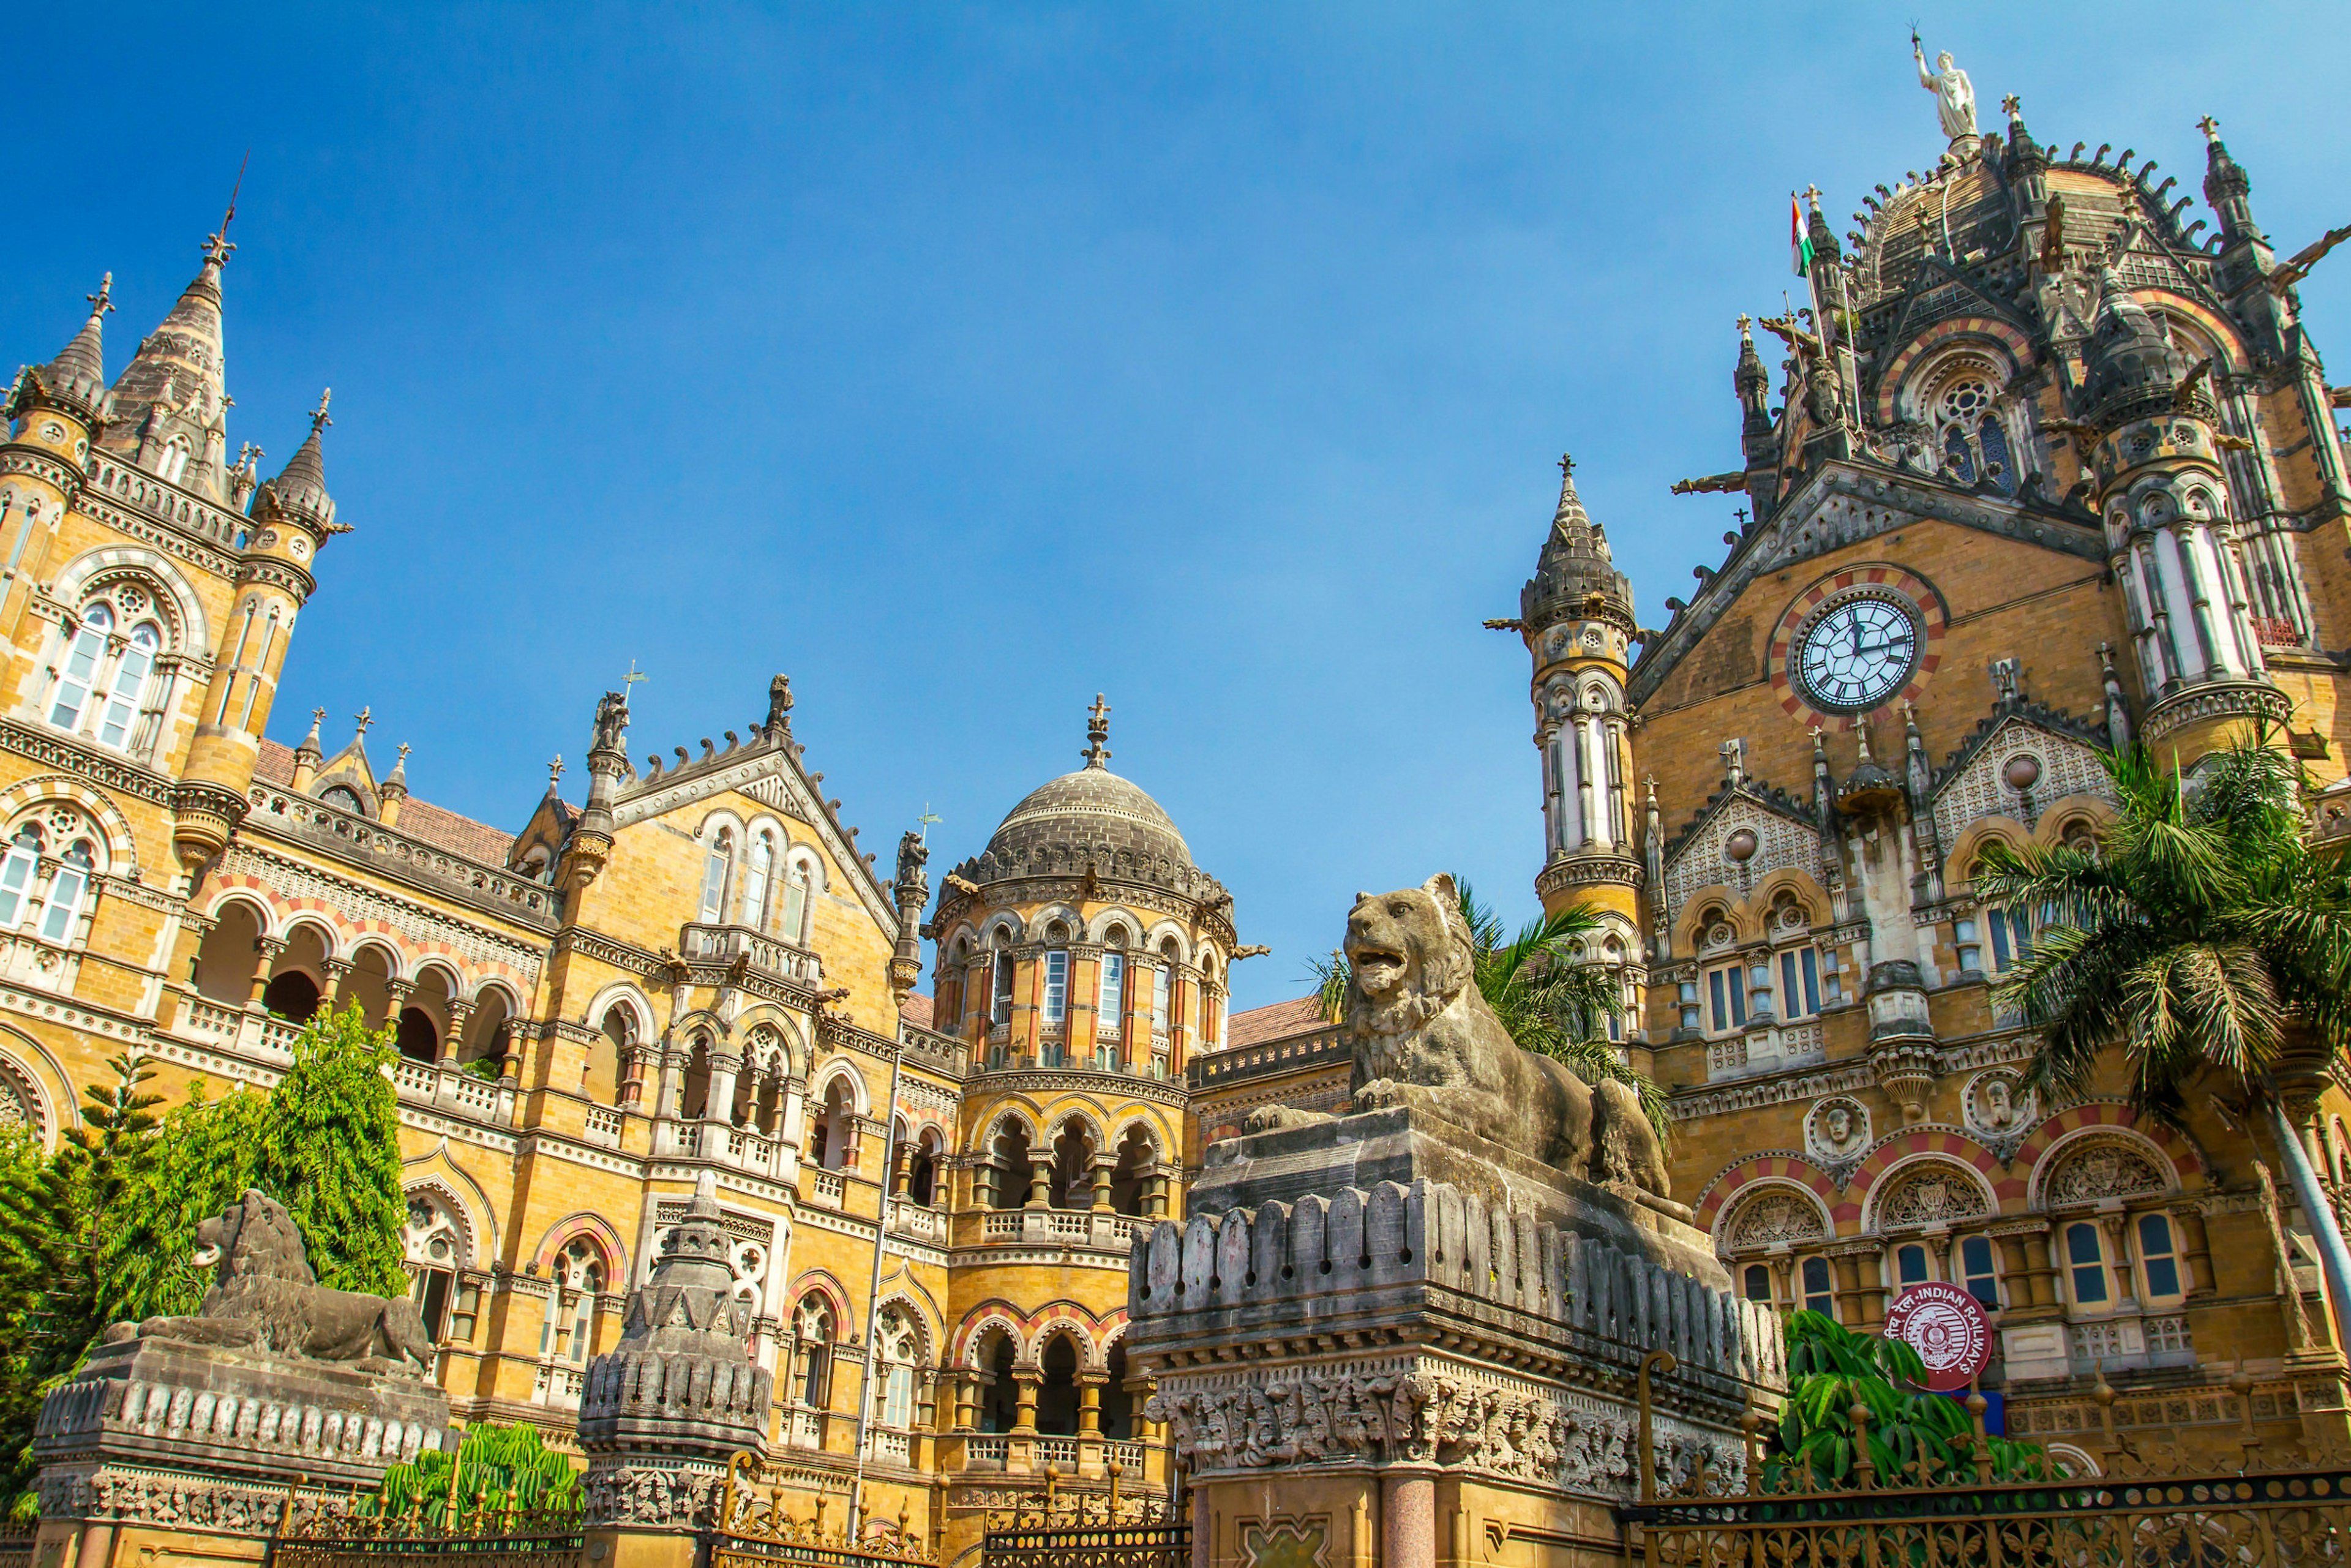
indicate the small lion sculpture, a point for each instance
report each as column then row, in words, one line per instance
column 264, row 1296
column 1423, row 1035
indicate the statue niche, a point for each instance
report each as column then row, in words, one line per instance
column 1423, row 1036
column 264, row 1297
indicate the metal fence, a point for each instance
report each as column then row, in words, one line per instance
column 498, row 1540
column 1112, row 1546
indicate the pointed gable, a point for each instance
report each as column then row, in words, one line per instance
column 1974, row 783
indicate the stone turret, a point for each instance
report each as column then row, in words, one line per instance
column 170, row 403
column 590, row 845
column 74, row 383
column 666, row 1407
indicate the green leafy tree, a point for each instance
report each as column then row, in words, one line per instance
column 1548, row 998
column 203, row 1159
column 329, row 1150
column 499, row 1471
column 2205, row 940
column 1910, row 1436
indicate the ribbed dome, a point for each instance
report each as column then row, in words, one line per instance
column 1092, row 823
column 1089, row 810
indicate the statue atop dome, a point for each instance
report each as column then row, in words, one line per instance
column 1955, row 94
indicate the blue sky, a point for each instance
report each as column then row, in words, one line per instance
column 966, row 361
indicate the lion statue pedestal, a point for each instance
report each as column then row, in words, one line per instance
column 1446, row 1306
column 190, row 1438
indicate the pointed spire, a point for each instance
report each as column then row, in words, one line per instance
column 1097, row 751
column 75, row 382
column 174, row 391
column 299, row 494
column 2228, row 189
column 555, row 777
column 309, row 747
column 398, row 778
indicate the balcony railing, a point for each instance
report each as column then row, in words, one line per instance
column 986, row 1450
column 829, row 1187
column 891, row 1448
column 724, row 943
column 1064, row 1226
column 603, row 1126
column 1062, row 1451
column 910, row 1218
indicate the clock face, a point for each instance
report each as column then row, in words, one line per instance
column 1858, row 653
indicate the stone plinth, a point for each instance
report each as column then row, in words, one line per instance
column 157, row 1441
column 1378, row 1341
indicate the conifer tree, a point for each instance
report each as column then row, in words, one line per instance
column 329, row 1150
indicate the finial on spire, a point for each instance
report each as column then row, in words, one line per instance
column 1566, row 466
column 2011, row 106
column 364, row 718
column 2210, row 127
column 217, row 245
column 1812, row 194
column 318, row 414
column 1097, row 753
column 554, row 773
column 102, row 301
column 1747, row 326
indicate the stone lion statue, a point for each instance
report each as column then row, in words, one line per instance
column 264, row 1296
column 1423, row 1035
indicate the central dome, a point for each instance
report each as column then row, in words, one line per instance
column 1093, row 810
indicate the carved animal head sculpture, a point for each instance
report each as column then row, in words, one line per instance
column 1408, row 954
column 254, row 1237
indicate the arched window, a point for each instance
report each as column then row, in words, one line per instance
column 1974, row 447
column 571, row 1306
column 898, row 1346
column 1981, row 1272
column 67, row 886
column 600, row 1075
column 1756, row 1284
column 1055, row 999
column 813, row 1325
column 793, row 927
column 2085, row 1260
column 117, row 722
column 172, row 463
column 85, row 650
column 999, row 1006
column 2159, row 1262
column 343, row 797
column 1911, row 1266
column 923, row 1171
column 16, row 875
column 756, row 877
column 1820, row 1296
column 714, row 876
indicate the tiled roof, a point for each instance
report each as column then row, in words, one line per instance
column 916, row 1010
column 418, row 819
column 1255, row 1026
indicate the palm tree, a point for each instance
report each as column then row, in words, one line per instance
column 2205, row 938
column 1539, row 984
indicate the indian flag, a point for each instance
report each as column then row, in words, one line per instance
column 1799, row 241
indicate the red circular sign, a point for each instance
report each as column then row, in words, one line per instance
column 1947, row 1328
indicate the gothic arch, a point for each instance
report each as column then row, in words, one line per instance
column 1060, row 1325
column 1766, row 1193
column 2128, row 1141
column 177, row 604
column 597, row 1229
column 975, row 1331
column 1912, row 1178
column 116, row 843
column 860, row 1102
column 469, row 1205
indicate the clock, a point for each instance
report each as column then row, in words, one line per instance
column 1858, row 653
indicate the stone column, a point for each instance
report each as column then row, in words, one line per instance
column 2195, row 1248
column 1154, row 1203
column 966, row 1402
column 1101, row 1185
column 395, row 997
column 1408, row 1518
column 1584, row 796
column 902, row 1166
column 338, row 970
column 2041, row 1269
column 2118, row 1227
column 1090, row 1387
column 460, row 1015
column 724, row 1065
column 266, row 951
column 1026, row 1383
column 1041, row 1180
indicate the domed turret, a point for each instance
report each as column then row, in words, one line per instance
column 1575, row 569
column 75, row 382
column 2130, row 365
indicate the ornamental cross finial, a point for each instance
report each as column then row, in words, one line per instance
column 318, row 717
column 2210, row 127
column 318, row 415
column 403, row 758
column 1746, row 325
column 102, row 301
column 363, row 718
column 2011, row 106
column 1740, row 513
column 1812, row 194
column 633, row 677
column 1097, row 732
column 216, row 244
column 555, row 770
column 1566, row 466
